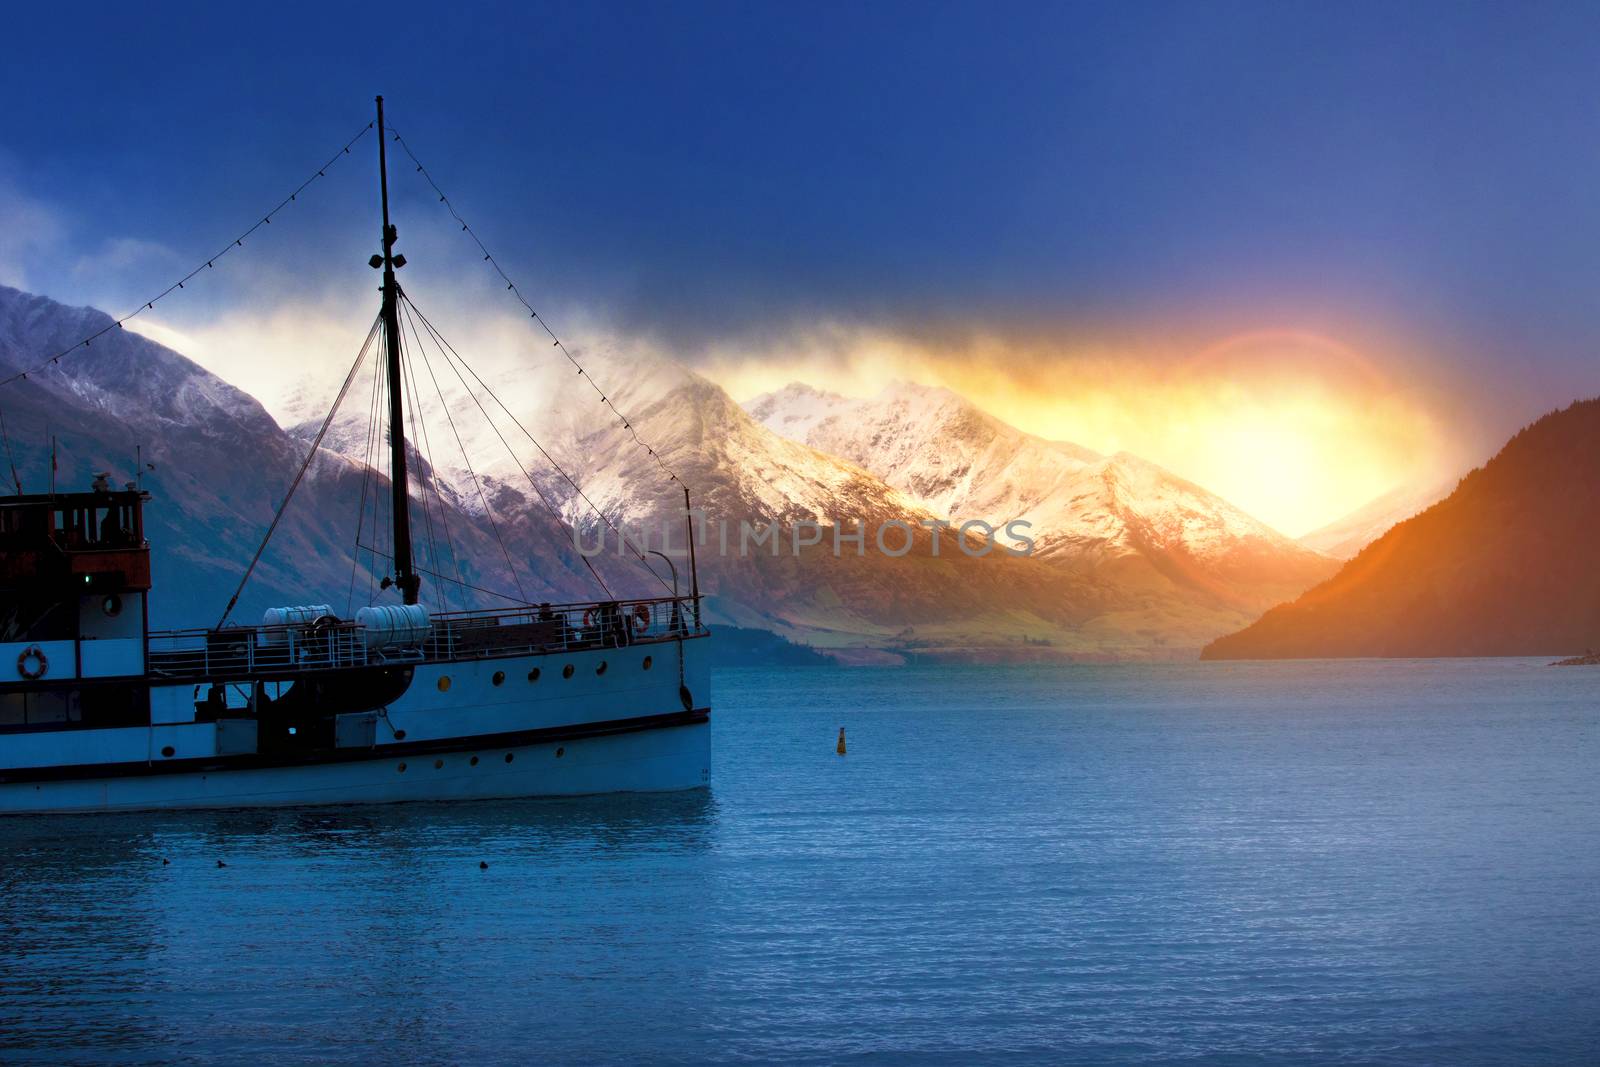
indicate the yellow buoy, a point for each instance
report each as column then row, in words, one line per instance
column 840, row 749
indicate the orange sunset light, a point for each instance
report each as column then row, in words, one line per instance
column 1296, row 429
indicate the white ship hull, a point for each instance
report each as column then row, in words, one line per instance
column 557, row 723
column 654, row 760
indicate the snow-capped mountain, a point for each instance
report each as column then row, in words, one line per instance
column 1343, row 538
column 744, row 477
column 742, row 473
column 222, row 465
column 220, row 468
column 1085, row 509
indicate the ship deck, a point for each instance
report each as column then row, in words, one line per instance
column 259, row 651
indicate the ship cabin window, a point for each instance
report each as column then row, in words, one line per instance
column 46, row 708
column 74, row 522
column 101, row 706
column 99, row 525
column 499, row 678
column 24, row 527
column 35, row 617
column 566, row 672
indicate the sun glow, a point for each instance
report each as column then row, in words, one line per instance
column 1294, row 428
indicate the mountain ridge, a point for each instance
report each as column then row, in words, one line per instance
column 1350, row 533
column 222, row 464
column 1494, row 569
column 1087, row 509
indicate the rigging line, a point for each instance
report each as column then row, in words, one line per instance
column 509, row 450
column 383, row 503
column 427, row 444
column 366, row 475
column 621, row 537
column 380, row 528
column 477, row 482
column 511, row 286
column 414, row 397
column 521, row 603
column 411, row 414
column 237, row 242
column 448, row 351
column 539, row 492
column 373, row 424
column 425, row 465
column 9, row 457
column 311, row 454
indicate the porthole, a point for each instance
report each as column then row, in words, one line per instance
column 602, row 668
column 111, row 606
column 533, row 675
column 444, row 683
column 499, row 678
column 566, row 672
column 438, row 764
column 473, row 761
column 401, row 768
column 560, row 752
column 510, row 756
column 169, row 751
column 647, row 662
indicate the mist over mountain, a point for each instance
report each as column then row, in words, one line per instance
column 1500, row 567
column 221, row 467
column 746, row 479
column 1132, row 563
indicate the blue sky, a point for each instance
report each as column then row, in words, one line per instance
column 1416, row 180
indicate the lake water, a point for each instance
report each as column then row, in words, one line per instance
column 1368, row 862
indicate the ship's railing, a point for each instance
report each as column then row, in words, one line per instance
column 250, row 650
column 336, row 644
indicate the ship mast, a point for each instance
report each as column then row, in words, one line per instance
column 406, row 578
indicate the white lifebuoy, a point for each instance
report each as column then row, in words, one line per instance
column 32, row 663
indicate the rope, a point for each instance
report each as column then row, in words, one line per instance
column 15, row 477
column 237, row 242
column 519, row 601
column 414, row 396
column 511, row 287
column 366, row 477
column 412, row 309
column 576, row 488
column 416, row 444
column 311, row 454
column 477, row 483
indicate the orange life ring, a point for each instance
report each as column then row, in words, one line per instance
column 32, row 652
column 640, row 618
column 588, row 618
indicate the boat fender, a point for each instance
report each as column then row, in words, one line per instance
column 640, row 618
column 32, row 663
column 687, row 697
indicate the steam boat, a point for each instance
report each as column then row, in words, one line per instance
column 99, row 713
